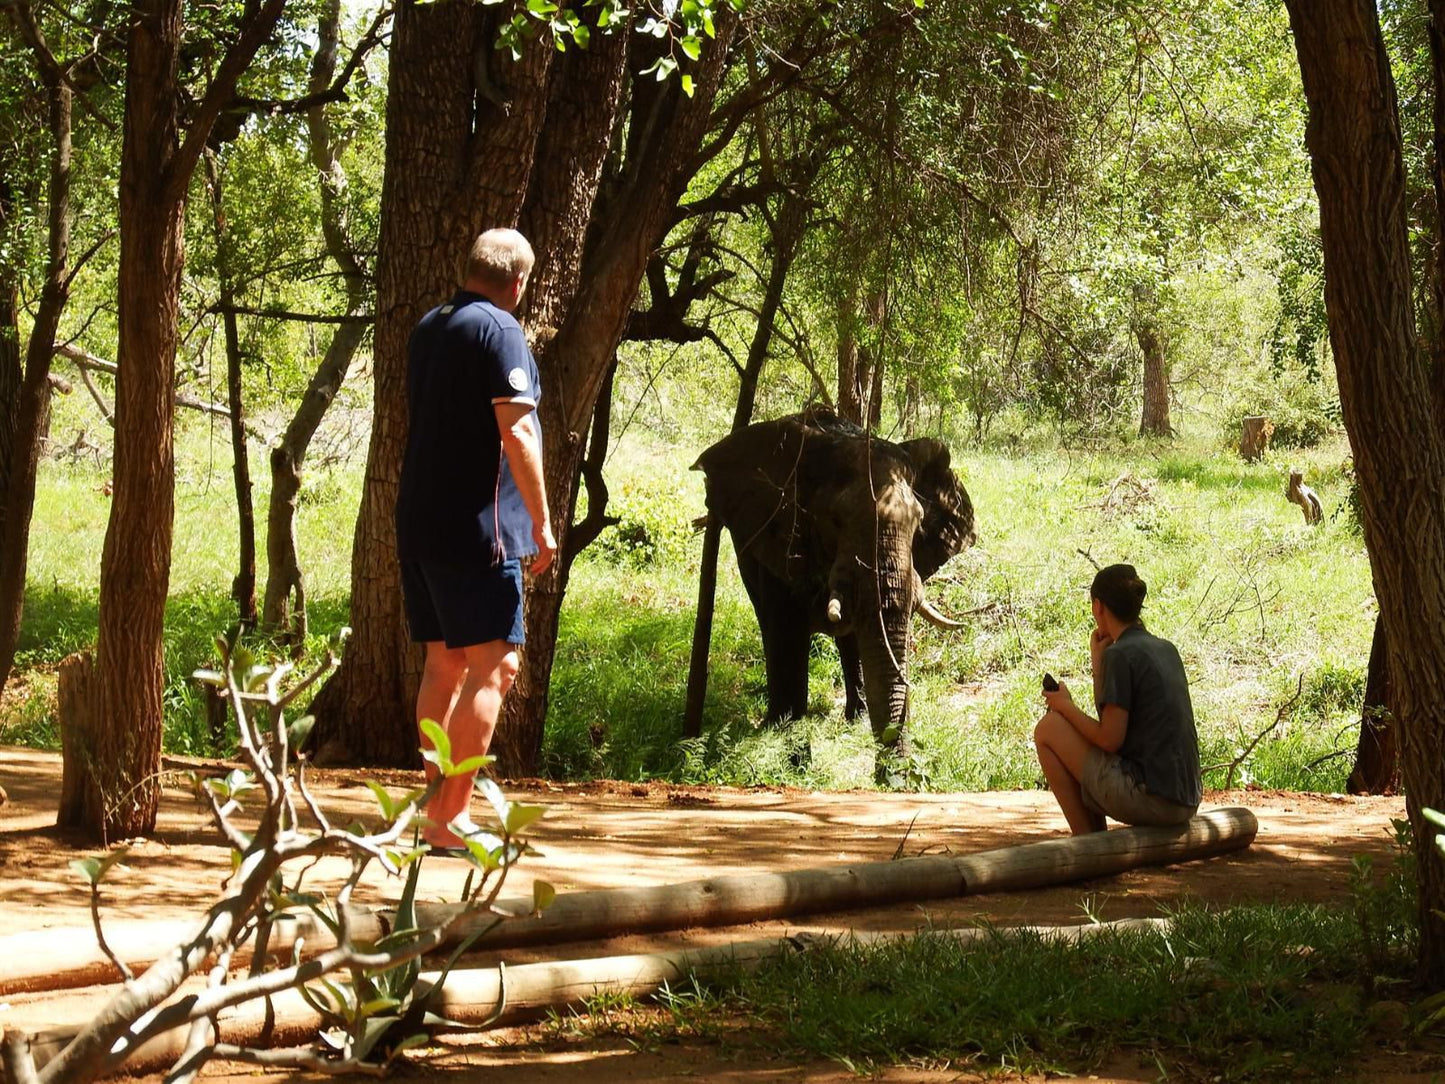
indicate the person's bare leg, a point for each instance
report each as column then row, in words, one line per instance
column 1063, row 752
column 441, row 680
column 490, row 671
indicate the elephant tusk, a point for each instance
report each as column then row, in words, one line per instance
column 934, row 617
column 835, row 610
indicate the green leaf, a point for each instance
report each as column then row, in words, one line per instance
column 95, row 869
column 471, row 764
column 692, row 46
column 665, row 67
column 433, row 732
column 210, row 677
column 493, row 794
column 520, row 816
column 542, row 895
column 687, row 85
column 411, row 1042
column 383, row 799
column 581, row 35
column 377, row 1005
column 541, row 8
column 299, row 730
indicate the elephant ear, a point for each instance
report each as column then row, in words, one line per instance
column 947, row 526
column 752, row 487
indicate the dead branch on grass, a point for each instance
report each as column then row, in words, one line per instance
column 1284, row 710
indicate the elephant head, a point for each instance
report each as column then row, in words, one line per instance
column 835, row 531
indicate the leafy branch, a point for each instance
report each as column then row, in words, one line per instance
column 366, row 989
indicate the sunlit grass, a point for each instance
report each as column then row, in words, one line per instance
column 1259, row 604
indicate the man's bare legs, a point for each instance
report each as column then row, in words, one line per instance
column 1063, row 751
column 462, row 690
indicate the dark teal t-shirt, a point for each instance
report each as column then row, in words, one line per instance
column 458, row 501
column 1144, row 675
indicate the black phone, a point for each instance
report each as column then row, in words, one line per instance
column 1050, row 685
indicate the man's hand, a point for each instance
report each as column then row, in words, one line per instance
column 546, row 547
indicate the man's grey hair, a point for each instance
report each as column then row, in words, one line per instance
column 497, row 257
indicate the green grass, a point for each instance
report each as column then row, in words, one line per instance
column 1256, row 601
column 63, row 583
column 1259, row 604
column 1253, row 993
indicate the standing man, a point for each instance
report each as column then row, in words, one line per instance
column 472, row 503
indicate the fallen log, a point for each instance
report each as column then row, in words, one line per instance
column 51, row 960
column 499, row 996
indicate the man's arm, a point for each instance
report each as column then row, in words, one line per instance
column 524, row 456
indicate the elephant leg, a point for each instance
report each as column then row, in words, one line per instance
column 786, row 638
column 852, row 676
column 784, row 628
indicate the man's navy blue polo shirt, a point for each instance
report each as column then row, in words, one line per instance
column 458, row 501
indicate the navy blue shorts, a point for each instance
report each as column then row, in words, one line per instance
column 463, row 604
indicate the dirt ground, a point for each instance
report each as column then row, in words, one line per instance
column 604, row 835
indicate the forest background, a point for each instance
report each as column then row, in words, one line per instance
column 1079, row 245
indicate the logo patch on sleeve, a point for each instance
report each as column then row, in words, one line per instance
column 518, row 379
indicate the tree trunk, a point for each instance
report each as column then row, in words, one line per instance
column 284, row 608
column 787, row 232
column 1395, row 434
column 457, row 162
column 243, row 587
column 1254, row 434
column 26, row 400
column 635, row 209
column 155, row 171
column 850, row 384
column 1155, row 419
column 1377, row 759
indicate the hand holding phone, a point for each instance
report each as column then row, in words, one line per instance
column 1050, row 685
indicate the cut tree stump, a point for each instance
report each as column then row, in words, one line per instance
column 1254, row 436
column 54, row 959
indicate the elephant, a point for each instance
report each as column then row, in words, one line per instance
column 835, row 531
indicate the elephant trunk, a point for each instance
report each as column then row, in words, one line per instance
column 882, row 632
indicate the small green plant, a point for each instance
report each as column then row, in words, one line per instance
column 366, row 989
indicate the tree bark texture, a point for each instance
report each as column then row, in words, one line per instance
column 26, row 399
column 1154, row 422
column 136, row 561
column 155, row 172
column 1354, row 141
column 457, row 162
column 284, row 606
column 1377, row 758
column 243, row 587
column 1254, row 434
column 787, row 232
column 634, row 211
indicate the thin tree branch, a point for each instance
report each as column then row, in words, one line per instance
column 336, row 92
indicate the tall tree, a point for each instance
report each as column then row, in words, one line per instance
column 285, row 601
column 461, row 131
column 26, row 398
column 114, row 759
column 595, row 230
column 1393, row 420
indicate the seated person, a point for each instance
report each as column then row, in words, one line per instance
column 1138, row 762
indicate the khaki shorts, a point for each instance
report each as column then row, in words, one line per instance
column 1110, row 789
